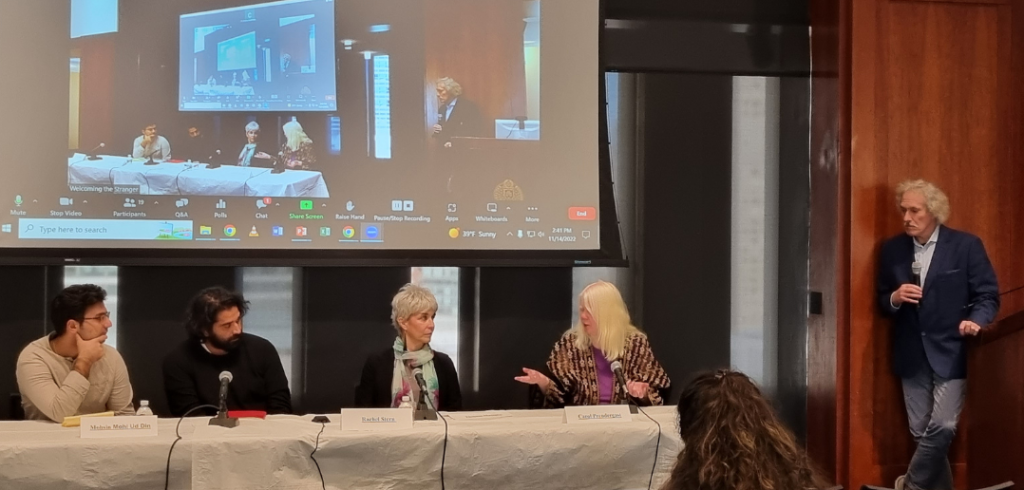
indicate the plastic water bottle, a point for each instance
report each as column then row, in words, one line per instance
column 144, row 408
column 406, row 402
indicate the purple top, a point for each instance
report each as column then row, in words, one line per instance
column 605, row 377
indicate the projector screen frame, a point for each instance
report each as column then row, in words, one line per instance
column 610, row 254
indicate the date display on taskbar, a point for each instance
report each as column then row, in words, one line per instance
column 103, row 229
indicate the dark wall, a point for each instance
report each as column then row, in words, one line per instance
column 732, row 11
column 522, row 312
column 23, row 290
column 347, row 317
column 794, row 240
column 150, row 324
column 687, row 155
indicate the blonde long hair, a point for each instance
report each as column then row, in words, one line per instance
column 295, row 135
column 604, row 303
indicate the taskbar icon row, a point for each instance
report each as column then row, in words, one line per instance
column 365, row 233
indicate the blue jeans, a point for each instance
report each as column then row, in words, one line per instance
column 933, row 408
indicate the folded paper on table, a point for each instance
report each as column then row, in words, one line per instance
column 76, row 420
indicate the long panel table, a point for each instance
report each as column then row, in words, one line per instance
column 496, row 450
column 194, row 179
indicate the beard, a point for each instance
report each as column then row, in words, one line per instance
column 225, row 345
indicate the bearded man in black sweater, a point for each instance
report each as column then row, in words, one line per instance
column 216, row 343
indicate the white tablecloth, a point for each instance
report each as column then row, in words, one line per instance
column 500, row 450
column 42, row 455
column 195, row 179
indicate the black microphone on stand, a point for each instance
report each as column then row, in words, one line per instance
column 617, row 369
column 222, row 418
column 916, row 268
column 214, row 160
column 279, row 165
column 424, row 408
column 92, row 153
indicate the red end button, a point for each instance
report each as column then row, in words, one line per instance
column 582, row 213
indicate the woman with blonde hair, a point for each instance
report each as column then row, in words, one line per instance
column 735, row 441
column 580, row 363
column 388, row 377
column 297, row 152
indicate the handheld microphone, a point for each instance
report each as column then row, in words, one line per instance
column 916, row 268
column 92, row 152
column 441, row 113
column 424, row 408
column 222, row 418
column 621, row 378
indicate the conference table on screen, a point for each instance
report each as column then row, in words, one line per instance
column 496, row 450
column 194, row 179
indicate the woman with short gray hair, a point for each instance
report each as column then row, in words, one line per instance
column 388, row 377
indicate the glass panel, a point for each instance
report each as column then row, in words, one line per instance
column 271, row 311
column 444, row 283
column 104, row 277
column 755, row 218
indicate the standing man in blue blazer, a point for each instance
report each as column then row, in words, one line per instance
column 938, row 285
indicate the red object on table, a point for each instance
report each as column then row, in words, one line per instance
column 252, row 414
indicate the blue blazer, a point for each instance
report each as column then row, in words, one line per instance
column 961, row 285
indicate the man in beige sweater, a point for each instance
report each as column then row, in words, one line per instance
column 71, row 371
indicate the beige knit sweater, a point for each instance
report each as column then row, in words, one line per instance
column 51, row 389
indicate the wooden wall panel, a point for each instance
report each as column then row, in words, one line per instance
column 995, row 442
column 96, row 112
column 829, row 224
column 480, row 45
column 931, row 95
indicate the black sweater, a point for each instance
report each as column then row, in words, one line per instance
column 191, row 378
column 374, row 390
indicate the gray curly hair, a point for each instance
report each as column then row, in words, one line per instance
column 935, row 199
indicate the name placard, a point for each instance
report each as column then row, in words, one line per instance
column 598, row 414
column 376, row 419
column 117, row 427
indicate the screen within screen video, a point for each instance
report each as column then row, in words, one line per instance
column 317, row 124
column 272, row 57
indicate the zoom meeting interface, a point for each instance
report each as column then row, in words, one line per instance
column 326, row 124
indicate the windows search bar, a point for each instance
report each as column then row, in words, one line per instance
column 201, row 105
column 103, row 229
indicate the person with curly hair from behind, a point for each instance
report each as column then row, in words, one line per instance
column 734, row 440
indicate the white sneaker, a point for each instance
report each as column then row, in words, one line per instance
column 901, row 482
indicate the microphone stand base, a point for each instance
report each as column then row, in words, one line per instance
column 632, row 409
column 93, row 158
column 225, row 421
column 424, row 414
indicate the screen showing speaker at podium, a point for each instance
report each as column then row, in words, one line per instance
column 322, row 124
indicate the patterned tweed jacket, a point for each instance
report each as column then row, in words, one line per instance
column 575, row 375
